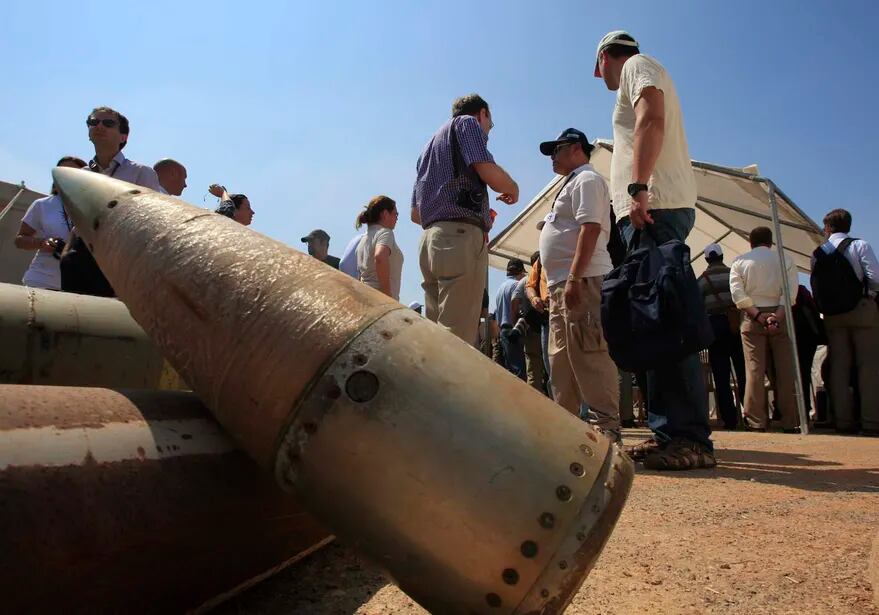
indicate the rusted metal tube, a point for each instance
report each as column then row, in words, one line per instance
column 477, row 493
column 132, row 501
column 60, row 338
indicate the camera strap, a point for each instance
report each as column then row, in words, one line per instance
column 456, row 151
column 66, row 219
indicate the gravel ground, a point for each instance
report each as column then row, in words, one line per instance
column 785, row 524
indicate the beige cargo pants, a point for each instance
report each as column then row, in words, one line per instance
column 454, row 261
column 580, row 367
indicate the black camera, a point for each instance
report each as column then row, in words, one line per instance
column 59, row 245
column 520, row 329
column 472, row 200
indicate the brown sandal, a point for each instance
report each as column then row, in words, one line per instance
column 640, row 451
column 680, row 454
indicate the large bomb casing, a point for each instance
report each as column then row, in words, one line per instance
column 477, row 493
column 134, row 502
column 62, row 338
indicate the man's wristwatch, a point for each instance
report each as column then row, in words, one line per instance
column 634, row 189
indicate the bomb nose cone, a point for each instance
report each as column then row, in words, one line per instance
column 471, row 487
column 87, row 196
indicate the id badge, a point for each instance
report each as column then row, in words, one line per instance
column 550, row 217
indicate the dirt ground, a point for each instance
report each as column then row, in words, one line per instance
column 784, row 524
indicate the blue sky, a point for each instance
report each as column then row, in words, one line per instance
column 312, row 108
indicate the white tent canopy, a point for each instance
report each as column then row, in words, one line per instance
column 14, row 201
column 730, row 203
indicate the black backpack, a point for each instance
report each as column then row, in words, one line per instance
column 835, row 286
column 616, row 247
column 652, row 311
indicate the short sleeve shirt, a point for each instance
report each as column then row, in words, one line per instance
column 378, row 235
column 503, row 311
column 348, row 262
column 436, row 188
column 672, row 184
column 47, row 217
column 583, row 199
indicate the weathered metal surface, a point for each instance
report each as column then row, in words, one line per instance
column 477, row 493
column 60, row 338
column 131, row 501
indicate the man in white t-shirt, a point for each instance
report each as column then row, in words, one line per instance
column 654, row 191
column 573, row 253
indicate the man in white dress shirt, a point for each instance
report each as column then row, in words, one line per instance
column 756, row 286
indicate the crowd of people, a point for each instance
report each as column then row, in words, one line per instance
column 547, row 320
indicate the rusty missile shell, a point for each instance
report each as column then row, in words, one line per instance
column 74, row 340
column 474, row 491
column 132, row 501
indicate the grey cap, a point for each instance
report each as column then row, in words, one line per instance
column 613, row 38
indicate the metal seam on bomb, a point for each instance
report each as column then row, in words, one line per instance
column 333, row 390
column 320, row 404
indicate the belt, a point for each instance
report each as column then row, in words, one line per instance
column 471, row 221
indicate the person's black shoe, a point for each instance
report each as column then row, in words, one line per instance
column 791, row 430
column 627, row 423
column 870, row 433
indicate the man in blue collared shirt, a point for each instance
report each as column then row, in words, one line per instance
column 450, row 202
column 853, row 336
column 511, row 340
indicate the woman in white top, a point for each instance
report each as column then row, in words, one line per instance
column 378, row 257
column 45, row 227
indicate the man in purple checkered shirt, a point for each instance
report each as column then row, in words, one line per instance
column 450, row 201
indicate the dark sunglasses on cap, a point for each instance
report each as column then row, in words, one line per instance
column 93, row 121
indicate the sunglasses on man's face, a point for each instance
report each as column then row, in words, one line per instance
column 560, row 147
column 93, row 121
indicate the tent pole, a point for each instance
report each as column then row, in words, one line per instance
column 12, row 201
column 788, row 312
column 718, row 240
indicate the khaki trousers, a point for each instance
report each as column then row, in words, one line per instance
column 853, row 341
column 454, row 262
column 580, row 367
column 760, row 348
column 534, row 358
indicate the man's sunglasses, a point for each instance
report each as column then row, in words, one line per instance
column 560, row 147
column 93, row 121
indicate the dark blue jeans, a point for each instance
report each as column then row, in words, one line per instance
column 514, row 352
column 677, row 400
column 727, row 347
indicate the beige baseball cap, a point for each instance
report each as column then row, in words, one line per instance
column 613, row 38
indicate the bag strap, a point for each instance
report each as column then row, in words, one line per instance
column 841, row 248
column 564, row 183
column 844, row 244
column 636, row 236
